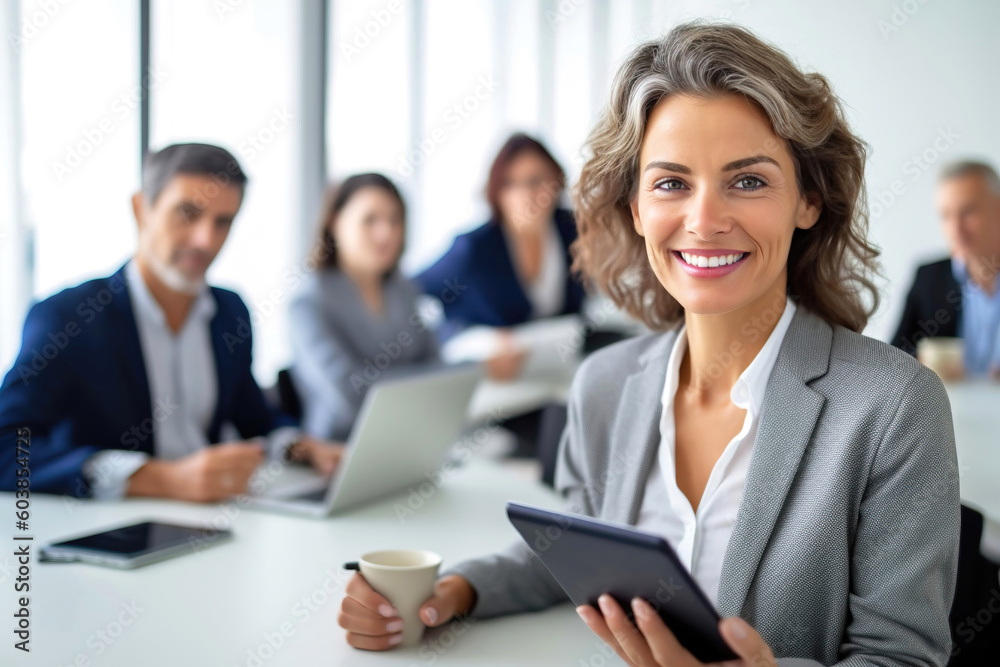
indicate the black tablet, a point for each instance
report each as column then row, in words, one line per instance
column 133, row 546
column 589, row 557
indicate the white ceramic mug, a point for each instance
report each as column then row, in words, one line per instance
column 942, row 355
column 405, row 577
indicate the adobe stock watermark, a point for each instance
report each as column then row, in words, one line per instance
column 440, row 640
column 898, row 17
column 571, row 347
column 302, row 610
column 461, row 453
column 454, row 117
column 224, row 7
column 728, row 14
column 92, row 137
column 47, row 350
column 102, row 639
column 32, row 24
column 392, row 350
column 362, row 35
column 255, row 143
column 915, row 167
column 562, row 13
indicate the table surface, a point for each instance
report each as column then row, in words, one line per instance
column 278, row 582
column 975, row 408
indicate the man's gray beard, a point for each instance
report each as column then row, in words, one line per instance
column 174, row 279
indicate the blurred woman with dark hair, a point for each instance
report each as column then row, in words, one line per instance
column 514, row 268
column 356, row 319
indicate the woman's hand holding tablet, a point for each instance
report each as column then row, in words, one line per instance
column 602, row 566
column 649, row 642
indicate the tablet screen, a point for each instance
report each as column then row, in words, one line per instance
column 140, row 538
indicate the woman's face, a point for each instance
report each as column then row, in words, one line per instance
column 530, row 190
column 717, row 202
column 368, row 231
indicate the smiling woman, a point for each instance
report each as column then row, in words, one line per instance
column 804, row 473
column 793, row 130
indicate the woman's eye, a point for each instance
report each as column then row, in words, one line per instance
column 750, row 183
column 671, row 184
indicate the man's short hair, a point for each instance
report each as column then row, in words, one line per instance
column 197, row 159
column 962, row 168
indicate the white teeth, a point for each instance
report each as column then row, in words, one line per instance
column 711, row 262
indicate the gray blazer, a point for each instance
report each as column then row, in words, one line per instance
column 845, row 546
column 341, row 348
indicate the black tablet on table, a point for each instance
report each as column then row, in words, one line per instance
column 588, row 558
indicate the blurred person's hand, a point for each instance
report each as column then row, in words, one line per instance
column 373, row 624
column 208, row 475
column 506, row 364
column 322, row 456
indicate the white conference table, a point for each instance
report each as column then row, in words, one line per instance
column 281, row 578
column 975, row 409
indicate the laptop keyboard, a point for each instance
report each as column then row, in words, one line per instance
column 313, row 496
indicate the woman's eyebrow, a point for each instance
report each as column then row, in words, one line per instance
column 669, row 166
column 731, row 166
column 747, row 161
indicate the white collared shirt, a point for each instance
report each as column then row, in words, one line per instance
column 183, row 388
column 547, row 292
column 700, row 538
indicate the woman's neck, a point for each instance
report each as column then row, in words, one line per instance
column 720, row 347
column 369, row 285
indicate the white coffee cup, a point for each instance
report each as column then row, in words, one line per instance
column 943, row 355
column 404, row 577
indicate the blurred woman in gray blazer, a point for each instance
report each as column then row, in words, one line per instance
column 804, row 473
column 355, row 321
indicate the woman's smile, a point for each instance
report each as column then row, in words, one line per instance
column 709, row 263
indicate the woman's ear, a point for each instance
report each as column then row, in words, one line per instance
column 634, row 207
column 810, row 206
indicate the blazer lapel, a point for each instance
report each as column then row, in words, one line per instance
column 223, row 329
column 128, row 350
column 636, row 429
column 787, row 420
column 518, row 308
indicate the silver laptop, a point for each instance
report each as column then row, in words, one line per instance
column 403, row 432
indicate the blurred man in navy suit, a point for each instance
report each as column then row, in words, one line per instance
column 126, row 382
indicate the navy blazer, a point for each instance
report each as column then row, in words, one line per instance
column 477, row 283
column 79, row 384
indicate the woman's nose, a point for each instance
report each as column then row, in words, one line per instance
column 707, row 214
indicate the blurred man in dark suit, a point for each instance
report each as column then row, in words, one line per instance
column 960, row 296
column 127, row 382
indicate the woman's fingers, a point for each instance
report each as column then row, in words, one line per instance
column 367, row 628
column 626, row 634
column 355, row 617
column 663, row 645
column 746, row 642
column 367, row 643
column 359, row 589
column 592, row 617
